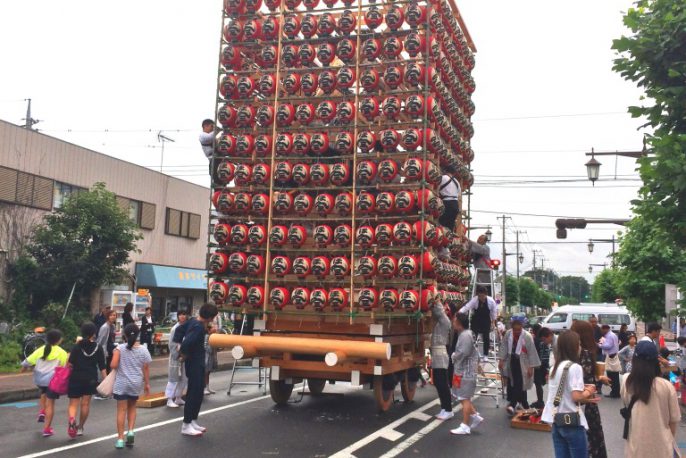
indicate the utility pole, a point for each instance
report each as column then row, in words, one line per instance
column 29, row 121
column 536, row 252
column 503, row 286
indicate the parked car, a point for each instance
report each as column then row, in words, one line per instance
column 533, row 321
column 562, row 318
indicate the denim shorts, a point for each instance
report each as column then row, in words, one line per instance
column 125, row 397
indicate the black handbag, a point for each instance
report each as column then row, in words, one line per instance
column 567, row 419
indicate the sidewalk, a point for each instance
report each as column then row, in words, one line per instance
column 20, row 387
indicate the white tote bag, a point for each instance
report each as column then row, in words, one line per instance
column 107, row 385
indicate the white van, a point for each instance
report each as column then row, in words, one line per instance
column 561, row 319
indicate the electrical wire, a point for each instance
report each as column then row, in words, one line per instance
column 567, row 115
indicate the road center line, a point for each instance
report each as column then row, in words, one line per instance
column 142, row 428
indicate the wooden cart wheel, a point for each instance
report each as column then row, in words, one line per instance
column 384, row 398
column 408, row 387
column 316, row 386
column 280, row 391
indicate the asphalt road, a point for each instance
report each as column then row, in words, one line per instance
column 341, row 423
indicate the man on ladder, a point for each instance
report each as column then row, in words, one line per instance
column 484, row 313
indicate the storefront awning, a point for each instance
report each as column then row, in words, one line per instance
column 154, row 276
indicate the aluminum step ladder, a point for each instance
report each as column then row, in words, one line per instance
column 246, row 364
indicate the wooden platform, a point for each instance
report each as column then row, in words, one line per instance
column 152, row 400
column 518, row 423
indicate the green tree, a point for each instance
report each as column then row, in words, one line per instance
column 527, row 291
column 653, row 57
column 605, row 286
column 647, row 259
column 512, row 290
column 86, row 242
column 574, row 288
column 544, row 298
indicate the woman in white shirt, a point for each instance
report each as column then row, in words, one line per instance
column 568, row 441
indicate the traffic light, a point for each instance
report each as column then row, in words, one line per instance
column 495, row 264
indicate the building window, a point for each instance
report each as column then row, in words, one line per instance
column 61, row 192
column 141, row 213
column 25, row 189
column 182, row 224
column 135, row 211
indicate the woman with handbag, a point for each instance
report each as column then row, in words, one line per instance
column 566, row 389
column 466, row 360
column 86, row 358
column 44, row 362
column 587, row 360
column 652, row 413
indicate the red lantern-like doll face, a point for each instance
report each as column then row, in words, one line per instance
column 387, row 266
column 268, row 56
column 392, row 47
column 321, row 266
column 340, row 173
column 245, row 116
column 409, row 300
column 415, row 15
column 338, row 298
column 366, row 266
column 385, row 202
column 285, row 114
column 273, row 5
column 393, row 76
column 291, row 26
column 366, row 172
column 345, row 49
column 345, row 77
column 390, row 139
column 265, row 116
column 391, row 107
column 231, row 56
column 365, row 203
column 234, row 7
column 308, row 27
column 225, row 144
column 283, row 202
column 402, row 233
column 279, row 297
column 322, row 235
column 257, row 235
column 292, row 4
column 343, row 203
column 347, row 22
column 290, row 56
column 260, row 205
column 373, row 17
column 365, row 236
column 221, row 233
column 223, row 201
column 270, row 28
column 319, row 299
column 370, row 79
column 301, row 174
column 342, row 235
column 219, row 292
column 340, row 266
column 306, row 54
column 326, row 111
column 414, row 106
column 300, row 297
column 301, row 146
column 252, row 30
column 305, row 114
column 225, row 172
column 415, row 44
column 371, row 48
column 327, row 24
column 407, row 266
column 388, row 299
column 326, row 53
column 319, row 174
column 227, row 116
column 260, row 174
column 412, row 139
column 404, row 201
column 219, row 263
column 238, row 262
column 412, row 169
column 302, row 266
column 242, row 203
column 303, row 204
column 278, row 235
column 243, row 174
column 245, row 86
column 319, row 143
column 345, row 112
column 369, row 107
column 239, row 234
column 395, row 18
column 367, row 298
column 424, row 232
column 255, row 297
column 283, row 172
column 324, row 203
column 267, row 85
column 263, row 145
column 284, row 144
column 388, row 170
column 244, row 145
column 227, row 87
column 414, row 74
column 309, row 83
column 233, row 32
column 281, row 266
column 366, row 140
column 344, row 142
column 383, row 234
column 327, row 81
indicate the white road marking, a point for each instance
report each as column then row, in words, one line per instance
column 142, row 428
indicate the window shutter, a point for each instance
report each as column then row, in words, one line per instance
column 123, row 203
column 173, row 221
column 42, row 193
column 8, row 184
column 194, row 229
column 184, row 224
column 148, row 216
column 25, row 189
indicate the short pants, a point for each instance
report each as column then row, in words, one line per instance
column 48, row 393
column 125, row 397
column 78, row 390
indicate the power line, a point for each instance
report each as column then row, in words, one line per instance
column 567, row 115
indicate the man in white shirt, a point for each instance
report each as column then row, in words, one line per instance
column 484, row 312
column 207, row 142
column 449, row 191
column 653, row 331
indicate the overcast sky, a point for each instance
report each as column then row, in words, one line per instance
column 110, row 75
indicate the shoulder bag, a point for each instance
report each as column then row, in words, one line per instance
column 106, row 387
column 60, row 381
column 567, row 419
column 625, row 412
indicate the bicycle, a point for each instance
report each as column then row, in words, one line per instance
column 34, row 340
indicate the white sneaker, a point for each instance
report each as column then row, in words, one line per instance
column 195, row 425
column 484, row 359
column 207, row 392
column 462, row 430
column 443, row 415
column 476, row 420
column 179, row 401
column 172, row 404
column 188, row 430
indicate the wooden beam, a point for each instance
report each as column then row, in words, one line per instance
column 463, row 26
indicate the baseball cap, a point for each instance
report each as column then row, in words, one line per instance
column 645, row 350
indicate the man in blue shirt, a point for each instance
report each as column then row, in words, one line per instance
column 193, row 355
column 610, row 346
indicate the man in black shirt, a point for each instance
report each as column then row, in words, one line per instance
column 193, row 356
column 101, row 318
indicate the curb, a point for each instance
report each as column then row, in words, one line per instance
column 26, row 394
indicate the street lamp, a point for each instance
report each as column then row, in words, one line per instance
column 590, row 246
column 488, row 235
column 590, row 267
column 593, row 168
column 521, row 258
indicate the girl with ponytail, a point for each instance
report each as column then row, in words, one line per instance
column 132, row 363
column 44, row 361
